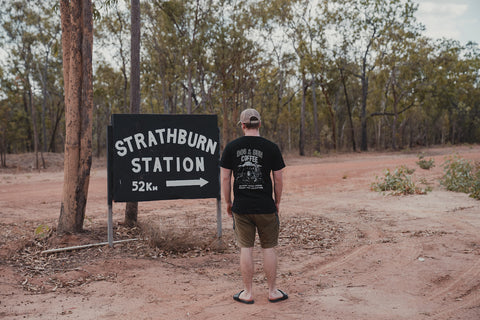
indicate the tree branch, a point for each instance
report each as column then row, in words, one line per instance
column 391, row 113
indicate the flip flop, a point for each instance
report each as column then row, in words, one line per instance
column 283, row 297
column 236, row 297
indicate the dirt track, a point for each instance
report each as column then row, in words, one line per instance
column 345, row 251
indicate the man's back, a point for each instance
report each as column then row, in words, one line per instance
column 252, row 158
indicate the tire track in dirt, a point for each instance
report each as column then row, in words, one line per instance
column 458, row 293
column 457, row 304
column 462, row 281
column 362, row 234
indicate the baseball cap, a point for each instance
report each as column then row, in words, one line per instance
column 249, row 116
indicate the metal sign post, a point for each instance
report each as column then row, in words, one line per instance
column 160, row 157
column 109, row 185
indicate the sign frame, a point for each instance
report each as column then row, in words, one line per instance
column 154, row 157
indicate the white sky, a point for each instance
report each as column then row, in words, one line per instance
column 452, row 19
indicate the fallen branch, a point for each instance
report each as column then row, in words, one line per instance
column 85, row 246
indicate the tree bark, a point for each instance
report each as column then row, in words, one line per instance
column 225, row 122
column 363, row 114
column 135, row 58
column 331, row 112
column 77, row 41
column 131, row 208
column 395, row 117
column 301, row 143
column 315, row 116
column 35, row 130
column 349, row 109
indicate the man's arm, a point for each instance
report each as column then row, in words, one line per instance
column 278, row 187
column 226, row 177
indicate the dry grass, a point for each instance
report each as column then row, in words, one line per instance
column 171, row 238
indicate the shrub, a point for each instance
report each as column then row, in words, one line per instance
column 475, row 192
column 425, row 164
column 398, row 183
column 458, row 174
column 461, row 175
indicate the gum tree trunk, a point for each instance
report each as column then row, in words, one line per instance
column 77, row 40
column 131, row 208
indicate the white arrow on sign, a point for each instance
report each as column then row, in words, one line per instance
column 186, row 183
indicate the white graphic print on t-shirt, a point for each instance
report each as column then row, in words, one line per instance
column 249, row 173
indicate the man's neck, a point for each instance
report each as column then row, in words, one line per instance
column 252, row 133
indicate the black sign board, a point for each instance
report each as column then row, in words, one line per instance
column 161, row 157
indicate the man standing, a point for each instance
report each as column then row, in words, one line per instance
column 252, row 158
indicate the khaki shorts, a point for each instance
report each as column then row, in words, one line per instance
column 246, row 225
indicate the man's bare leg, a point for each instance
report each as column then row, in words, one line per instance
column 270, row 268
column 247, row 269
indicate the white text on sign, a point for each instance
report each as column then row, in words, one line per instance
column 153, row 138
column 168, row 164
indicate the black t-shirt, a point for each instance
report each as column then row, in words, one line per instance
column 252, row 159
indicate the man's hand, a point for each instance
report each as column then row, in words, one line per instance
column 226, row 178
column 278, row 188
column 229, row 209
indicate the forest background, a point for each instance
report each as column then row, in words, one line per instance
column 337, row 75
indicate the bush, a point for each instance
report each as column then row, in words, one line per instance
column 475, row 192
column 399, row 182
column 461, row 175
column 458, row 174
column 425, row 164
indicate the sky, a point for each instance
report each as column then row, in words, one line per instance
column 451, row 19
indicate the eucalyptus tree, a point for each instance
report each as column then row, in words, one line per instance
column 348, row 86
column 274, row 93
column 455, row 93
column 303, row 23
column 135, row 36
column 3, row 125
column 363, row 28
column 112, row 35
column 131, row 209
column 295, row 20
column 161, row 50
column 20, row 34
column 108, row 87
column 30, row 37
column 13, row 134
column 236, row 61
column 77, row 42
column 9, row 130
column 114, row 27
column 48, row 64
column 176, row 42
column 201, row 59
column 471, row 78
column 400, row 71
column 4, row 130
column 195, row 31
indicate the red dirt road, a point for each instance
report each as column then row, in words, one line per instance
column 345, row 252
